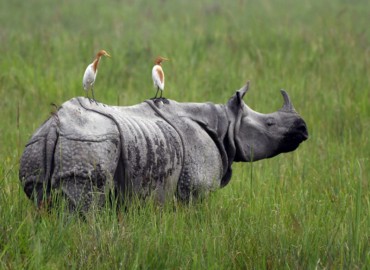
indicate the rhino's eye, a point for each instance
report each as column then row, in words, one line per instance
column 270, row 122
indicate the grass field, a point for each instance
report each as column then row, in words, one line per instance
column 309, row 209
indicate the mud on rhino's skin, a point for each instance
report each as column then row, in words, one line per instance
column 151, row 149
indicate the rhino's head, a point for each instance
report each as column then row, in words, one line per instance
column 258, row 136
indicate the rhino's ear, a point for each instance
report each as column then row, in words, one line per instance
column 241, row 92
column 236, row 100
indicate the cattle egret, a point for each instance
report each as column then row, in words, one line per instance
column 158, row 75
column 90, row 74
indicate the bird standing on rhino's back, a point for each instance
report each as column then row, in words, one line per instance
column 91, row 71
column 158, row 75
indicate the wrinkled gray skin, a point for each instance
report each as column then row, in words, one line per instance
column 151, row 149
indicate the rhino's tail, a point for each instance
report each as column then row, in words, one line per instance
column 37, row 160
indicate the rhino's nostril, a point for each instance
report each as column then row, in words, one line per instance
column 302, row 128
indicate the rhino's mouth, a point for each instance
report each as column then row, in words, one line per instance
column 291, row 143
column 299, row 136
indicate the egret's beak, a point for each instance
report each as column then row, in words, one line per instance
column 165, row 59
column 107, row 54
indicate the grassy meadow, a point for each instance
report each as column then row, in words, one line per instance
column 309, row 209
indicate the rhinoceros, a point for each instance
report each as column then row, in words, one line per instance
column 163, row 150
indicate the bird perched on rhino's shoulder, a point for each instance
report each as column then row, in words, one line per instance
column 90, row 74
column 158, row 75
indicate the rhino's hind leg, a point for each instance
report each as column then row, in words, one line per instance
column 84, row 190
column 78, row 194
column 83, row 194
column 36, row 164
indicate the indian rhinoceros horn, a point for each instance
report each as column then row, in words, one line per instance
column 288, row 106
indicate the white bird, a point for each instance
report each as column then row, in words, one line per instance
column 90, row 74
column 158, row 75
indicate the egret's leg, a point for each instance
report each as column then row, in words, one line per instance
column 156, row 93
column 87, row 95
column 92, row 91
column 164, row 100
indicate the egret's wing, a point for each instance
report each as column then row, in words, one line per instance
column 89, row 77
column 158, row 76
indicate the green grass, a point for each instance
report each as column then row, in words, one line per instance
column 303, row 210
